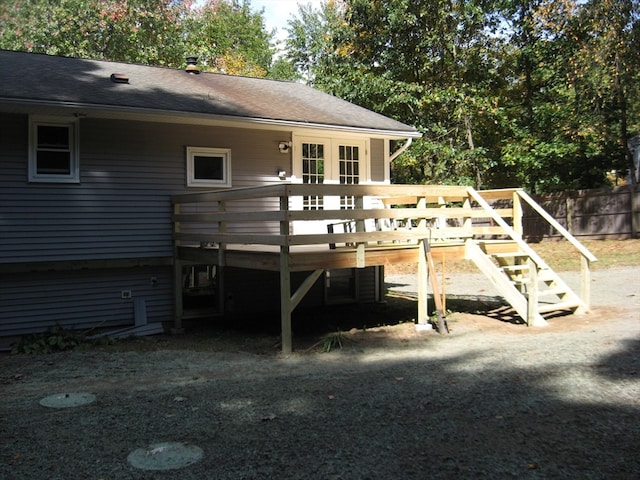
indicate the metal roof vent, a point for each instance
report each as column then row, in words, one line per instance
column 192, row 65
column 119, row 78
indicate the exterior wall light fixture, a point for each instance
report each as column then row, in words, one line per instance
column 284, row 147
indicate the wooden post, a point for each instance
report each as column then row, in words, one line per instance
column 532, row 294
column 569, row 202
column 285, row 285
column 517, row 214
column 468, row 221
column 634, row 195
column 360, row 227
column 285, row 302
column 585, row 284
column 444, row 283
column 423, row 307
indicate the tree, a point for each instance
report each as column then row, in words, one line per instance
column 310, row 38
column 538, row 93
column 606, row 67
column 140, row 31
column 226, row 35
column 566, row 106
column 422, row 62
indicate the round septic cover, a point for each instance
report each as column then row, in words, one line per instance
column 66, row 400
column 165, row 456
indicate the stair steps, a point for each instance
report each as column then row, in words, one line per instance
column 555, row 307
column 511, row 273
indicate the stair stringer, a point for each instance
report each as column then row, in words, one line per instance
column 502, row 283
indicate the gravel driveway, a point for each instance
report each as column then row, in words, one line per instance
column 491, row 400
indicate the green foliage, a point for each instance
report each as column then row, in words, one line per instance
column 226, row 35
column 229, row 37
column 334, row 340
column 541, row 94
column 56, row 340
column 139, row 31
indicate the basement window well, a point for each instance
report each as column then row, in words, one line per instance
column 208, row 167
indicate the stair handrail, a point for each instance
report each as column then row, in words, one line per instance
column 555, row 224
column 507, row 228
column 587, row 256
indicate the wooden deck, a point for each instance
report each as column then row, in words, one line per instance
column 272, row 228
column 304, row 259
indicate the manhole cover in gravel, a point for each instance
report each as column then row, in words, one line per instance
column 66, row 400
column 165, row 456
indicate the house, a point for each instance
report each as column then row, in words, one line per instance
column 92, row 152
column 134, row 197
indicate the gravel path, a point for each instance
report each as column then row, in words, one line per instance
column 491, row 400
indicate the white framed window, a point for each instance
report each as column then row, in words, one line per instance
column 53, row 150
column 208, row 167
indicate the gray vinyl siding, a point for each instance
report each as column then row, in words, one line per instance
column 122, row 206
column 377, row 160
column 37, row 302
column 121, row 209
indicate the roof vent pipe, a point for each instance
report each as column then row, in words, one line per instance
column 192, row 65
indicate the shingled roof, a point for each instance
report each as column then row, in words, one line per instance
column 73, row 82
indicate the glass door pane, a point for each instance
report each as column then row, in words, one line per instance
column 349, row 171
column 313, row 158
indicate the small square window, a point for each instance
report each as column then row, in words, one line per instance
column 53, row 151
column 208, row 167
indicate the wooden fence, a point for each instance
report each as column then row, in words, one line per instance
column 607, row 213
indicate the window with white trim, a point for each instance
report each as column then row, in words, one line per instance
column 313, row 172
column 53, row 150
column 208, row 167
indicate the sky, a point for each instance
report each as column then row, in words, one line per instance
column 278, row 12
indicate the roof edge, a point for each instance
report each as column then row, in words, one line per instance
column 109, row 111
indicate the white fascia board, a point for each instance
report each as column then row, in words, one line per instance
column 167, row 116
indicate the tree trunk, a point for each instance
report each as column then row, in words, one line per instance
column 624, row 134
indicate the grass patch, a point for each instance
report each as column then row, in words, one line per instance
column 559, row 254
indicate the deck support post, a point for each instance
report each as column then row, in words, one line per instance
column 286, row 305
column 177, row 296
column 423, row 307
column 285, row 302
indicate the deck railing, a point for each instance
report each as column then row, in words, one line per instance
column 383, row 214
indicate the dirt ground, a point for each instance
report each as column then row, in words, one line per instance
column 494, row 399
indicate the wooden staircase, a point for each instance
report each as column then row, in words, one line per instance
column 524, row 279
column 530, row 286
